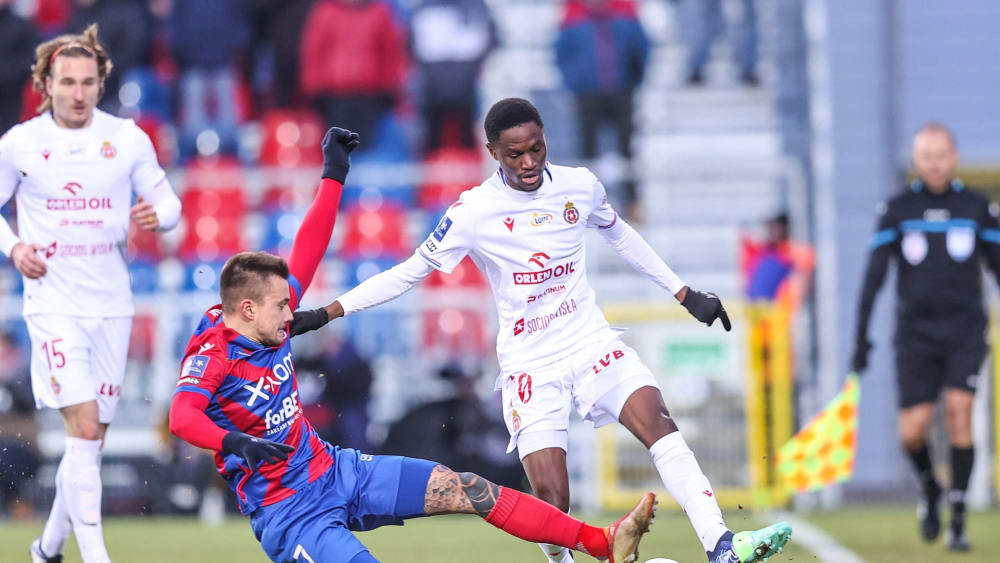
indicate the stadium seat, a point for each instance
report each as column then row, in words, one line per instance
column 445, row 174
column 383, row 166
column 465, row 275
column 144, row 92
column 291, row 138
column 374, row 234
column 455, row 334
column 214, row 208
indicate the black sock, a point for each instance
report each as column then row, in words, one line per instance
column 921, row 460
column 961, row 469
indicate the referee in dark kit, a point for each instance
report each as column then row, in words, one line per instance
column 938, row 231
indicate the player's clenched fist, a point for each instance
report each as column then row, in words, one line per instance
column 255, row 450
column 144, row 215
column 706, row 307
column 26, row 261
column 337, row 147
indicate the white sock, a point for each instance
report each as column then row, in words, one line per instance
column 58, row 527
column 683, row 478
column 556, row 553
column 81, row 483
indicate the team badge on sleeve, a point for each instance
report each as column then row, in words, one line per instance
column 442, row 228
column 195, row 366
column 570, row 214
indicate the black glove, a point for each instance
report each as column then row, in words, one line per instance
column 859, row 361
column 706, row 307
column 306, row 321
column 255, row 450
column 337, row 147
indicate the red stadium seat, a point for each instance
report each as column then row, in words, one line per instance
column 377, row 233
column 29, row 101
column 214, row 208
column 455, row 334
column 466, row 274
column 163, row 138
column 291, row 138
column 447, row 173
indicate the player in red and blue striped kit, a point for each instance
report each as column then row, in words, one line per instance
column 237, row 395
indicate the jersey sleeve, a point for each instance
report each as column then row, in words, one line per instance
column 883, row 245
column 603, row 215
column 451, row 240
column 8, row 185
column 201, row 374
column 989, row 233
column 150, row 182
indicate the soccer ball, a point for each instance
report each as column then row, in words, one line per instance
column 660, row 560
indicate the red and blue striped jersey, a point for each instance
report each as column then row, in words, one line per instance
column 252, row 388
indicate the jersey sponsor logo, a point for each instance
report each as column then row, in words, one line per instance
column 208, row 345
column 72, row 188
column 509, row 223
column 288, row 412
column 46, row 153
column 541, row 323
column 524, row 387
column 50, row 250
column 282, row 372
column 534, row 278
column 76, row 250
column 547, row 292
column 540, row 219
column 108, row 150
column 570, row 214
column 92, row 223
column 936, row 215
column 77, row 203
column 195, row 366
column 366, row 457
column 430, row 246
column 539, row 258
column 74, row 149
column 518, row 326
column 606, row 360
column 442, row 228
column 188, row 381
column 214, row 313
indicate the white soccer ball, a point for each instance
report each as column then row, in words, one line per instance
column 660, row 560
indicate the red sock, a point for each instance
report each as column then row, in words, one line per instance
column 537, row 521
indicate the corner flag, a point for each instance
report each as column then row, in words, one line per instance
column 822, row 453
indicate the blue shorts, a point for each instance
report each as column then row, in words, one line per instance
column 360, row 492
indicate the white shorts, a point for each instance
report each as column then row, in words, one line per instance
column 78, row 359
column 537, row 403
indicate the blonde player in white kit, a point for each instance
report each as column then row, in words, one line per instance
column 524, row 229
column 73, row 170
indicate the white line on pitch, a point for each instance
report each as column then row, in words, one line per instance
column 821, row 544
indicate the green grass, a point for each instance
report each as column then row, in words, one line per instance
column 439, row 539
column 890, row 534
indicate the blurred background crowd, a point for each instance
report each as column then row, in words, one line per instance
column 748, row 140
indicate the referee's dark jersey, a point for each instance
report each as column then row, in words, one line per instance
column 938, row 242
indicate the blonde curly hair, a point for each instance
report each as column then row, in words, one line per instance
column 70, row 45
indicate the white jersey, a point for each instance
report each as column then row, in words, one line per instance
column 530, row 246
column 73, row 192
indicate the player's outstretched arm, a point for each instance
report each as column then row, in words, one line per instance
column 313, row 235
column 382, row 287
column 629, row 244
column 531, row 519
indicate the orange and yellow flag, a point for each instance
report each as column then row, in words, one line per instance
column 822, row 453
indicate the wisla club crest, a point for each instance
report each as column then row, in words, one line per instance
column 108, row 150
column 570, row 214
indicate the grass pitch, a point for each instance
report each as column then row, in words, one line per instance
column 439, row 539
column 876, row 534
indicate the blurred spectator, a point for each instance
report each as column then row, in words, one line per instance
column 449, row 41
column 776, row 268
column 18, row 431
column 345, row 378
column 353, row 63
column 601, row 51
column 125, row 32
column 209, row 38
column 17, row 50
column 707, row 23
column 458, row 431
column 283, row 23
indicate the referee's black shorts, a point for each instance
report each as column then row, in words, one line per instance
column 923, row 368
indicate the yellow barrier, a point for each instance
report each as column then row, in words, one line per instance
column 768, row 403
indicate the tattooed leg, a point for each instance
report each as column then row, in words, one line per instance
column 459, row 493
